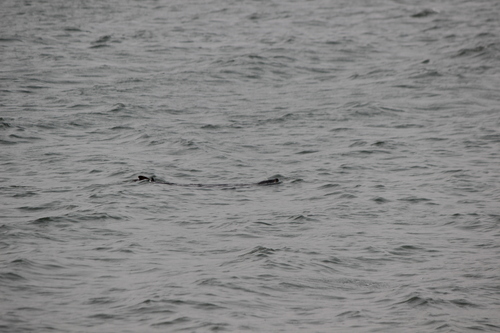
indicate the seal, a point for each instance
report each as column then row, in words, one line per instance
column 153, row 180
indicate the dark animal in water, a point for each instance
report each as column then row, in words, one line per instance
column 153, row 180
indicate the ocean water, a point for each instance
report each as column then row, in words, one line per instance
column 380, row 118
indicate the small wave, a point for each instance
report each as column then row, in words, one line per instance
column 101, row 40
column 72, row 29
column 101, row 300
column 301, row 218
column 47, row 220
column 381, row 200
column 305, row 152
column 426, row 74
column 176, row 321
column 24, row 139
column 259, row 251
column 491, row 137
column 415, row 200
column 329, row 186
column 10, row 40
column 425, row 13
column 75, row 218
column 211, row 127
column 406, row 250
column 409, row 125
column 7, row 142
column 106, row 316
column 416, row 300
column 487, row 51
column 117, row 107
column 9, row 276
column 4, row 124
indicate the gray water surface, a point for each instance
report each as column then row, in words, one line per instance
column 380, row 118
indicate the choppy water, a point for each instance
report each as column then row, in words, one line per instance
column 381, row 118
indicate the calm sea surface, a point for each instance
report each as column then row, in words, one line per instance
column 381, row 119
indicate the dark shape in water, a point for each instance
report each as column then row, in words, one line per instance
column 153, row 180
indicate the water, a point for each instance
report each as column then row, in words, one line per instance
column 381, row 119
